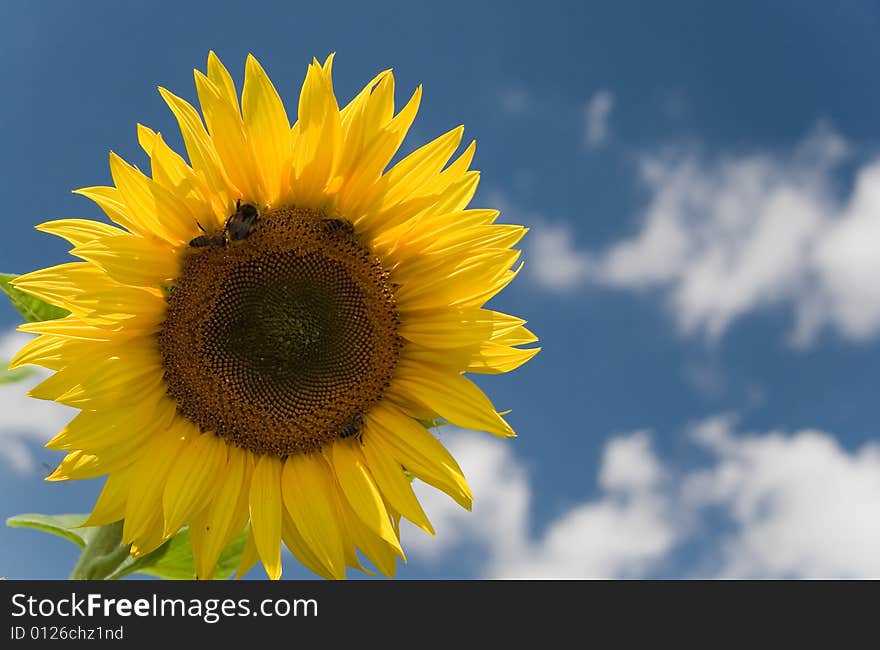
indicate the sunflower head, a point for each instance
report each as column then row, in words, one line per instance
column 259, row 338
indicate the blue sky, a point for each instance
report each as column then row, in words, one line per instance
column 703, row 190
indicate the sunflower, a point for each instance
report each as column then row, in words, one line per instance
column 261, row 341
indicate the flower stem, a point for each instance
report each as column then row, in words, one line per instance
column 104, row 552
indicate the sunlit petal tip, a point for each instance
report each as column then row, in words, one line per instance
column 249, row 557
column 220, row 76
column 265, row 511
column 116, row 160
column 252, row 65
column 146, row 137
column 56, row 475
column 204, row 82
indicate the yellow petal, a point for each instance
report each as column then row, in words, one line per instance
column 308, row 498
column 96, row 430
column 452, row 395
column 364, row 171
column 377, row 550
column 222, row 80
column 410, row 239
column 394, row 486
column 193, row 480
column 461, row 286
column 317, row 138
column 200, row 149
column 475, row 240
column 249, row 557
column 150, row 540
column 48, row 351
column 110, row 506
column 379, row 109
column 230, row 141
column 411, row 173
column 132, row 260
column 417, row 450
column 76, row 286
column 115, row 380
column 213, row 528
column 110, row 200
column 401, row 200
column 81, row 464
column 154, row 210
column 59, row 286
column 451, row 328
column 265, row 511
column 515, row 334
column 268, row 129
column 360, row 490
column 454, row 173
column 494, row 358
column 297, row 545
column 356, row 131
column 143, row 510
column 171, row 172
column 147, row 139
column 457, row 196
column 79, row 231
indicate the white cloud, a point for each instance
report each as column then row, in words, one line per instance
column 11, row 342
column 847, row 264
column 799, row 506
column 554, row 261
column 723, row 237
column 802, row 506
column 620, row 534
column 630, row 463
column 623, row 533
column 25, row 421
column 596, row 115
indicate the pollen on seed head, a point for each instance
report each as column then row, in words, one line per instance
column 279, row 342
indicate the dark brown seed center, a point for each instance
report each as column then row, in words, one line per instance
column 280, row 342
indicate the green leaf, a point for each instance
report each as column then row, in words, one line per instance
column 104, row 552
column 33, row 309
column 171, row 561
column 101, row 550
column 230, row 558
column 12, row 376
column 60, row 525
column 103, row 557
column 174, row 560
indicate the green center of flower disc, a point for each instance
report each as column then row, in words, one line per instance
column 280, row 342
